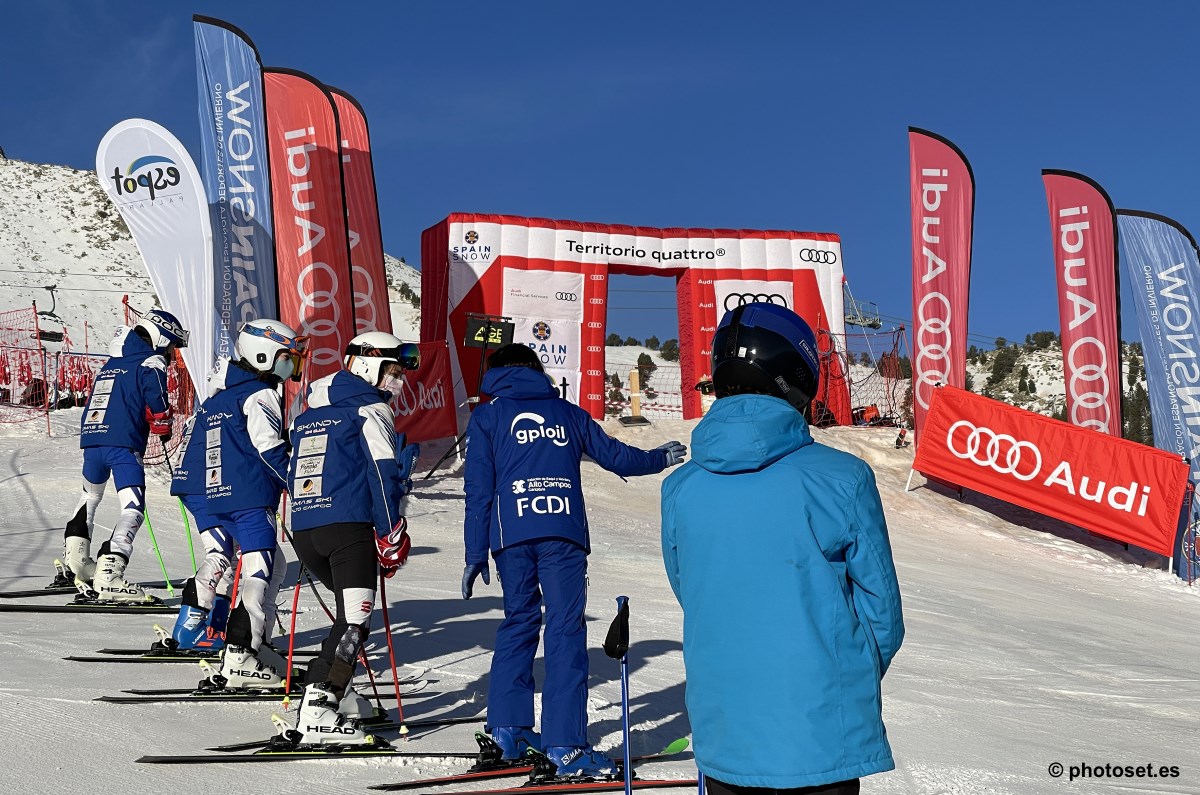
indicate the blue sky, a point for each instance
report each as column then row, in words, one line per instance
column 700, row 114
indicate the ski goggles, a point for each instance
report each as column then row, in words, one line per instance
column 406, row 354
column 296, row 347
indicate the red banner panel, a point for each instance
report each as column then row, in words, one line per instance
column 425, row 409
column 942, row 196
column 1116, row 488
column 1083, row 224
column 311, row 248
column 371, row 310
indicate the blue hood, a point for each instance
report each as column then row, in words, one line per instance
column 343, row 389
column 133, row 345
column 743, row 433
column 520, row 383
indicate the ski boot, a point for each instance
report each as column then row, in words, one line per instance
column 64, row 578
column 242, row 669
column 353, row 705
column 506, row 746
column 196, row 630
column 77, row 560
column 320, row 724
column 574, row 764
column 110, row 584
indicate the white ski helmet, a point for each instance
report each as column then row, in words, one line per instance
column 260, row 342
column 368, row 353
column 164, row 330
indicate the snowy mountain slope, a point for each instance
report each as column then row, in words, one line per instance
column 57, row 227
column 1028, row 642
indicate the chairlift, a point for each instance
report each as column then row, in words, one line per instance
column 864, row 313
column 46, row 335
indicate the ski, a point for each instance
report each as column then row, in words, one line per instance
column 94, row 608
column 148, row 657
column 566, row 788
column 218, row 696
column 375, row 727
column 186, row 691
column 192, row 655
column 299, row 754
column 512, row 769
column 58, row 590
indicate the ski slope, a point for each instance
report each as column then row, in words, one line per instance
column 1029, row 642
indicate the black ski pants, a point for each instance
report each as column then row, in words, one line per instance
column 343, row 557
column 714, row 787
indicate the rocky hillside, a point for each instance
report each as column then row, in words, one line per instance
column 58, row 229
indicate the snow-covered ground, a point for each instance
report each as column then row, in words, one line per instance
column 1029, row 642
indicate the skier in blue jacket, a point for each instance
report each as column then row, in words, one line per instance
column 204, row 610
column 525, row 504
column 128, row 403
column 245, row 475
column 347, row 517
column 796, row 531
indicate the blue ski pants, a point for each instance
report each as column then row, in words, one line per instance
column 553, row 571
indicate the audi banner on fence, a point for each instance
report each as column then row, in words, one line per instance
column 1084, row 228
column 1114, row 487
column 425, row 407
column 315, row 293
column 371, row 309
column 233, row 149
column 942, row 197
column 1161, row 262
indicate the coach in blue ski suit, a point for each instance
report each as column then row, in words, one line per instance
column 525, row 504
column 778, row 552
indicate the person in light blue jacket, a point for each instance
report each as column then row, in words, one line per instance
column 778, row 552
column 525, row 505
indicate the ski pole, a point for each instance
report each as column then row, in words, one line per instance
column 287, row 685
column 699, row 783
column 387, row 631
column 154, row 541
column 616, row 646
column 187, row 531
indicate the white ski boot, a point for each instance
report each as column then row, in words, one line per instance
column 77, row 557
column 320, row 723
column 242, row 669
column 353, row 705
column 110, row 584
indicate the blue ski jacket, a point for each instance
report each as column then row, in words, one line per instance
column 246, row 456
column 188, row 477
column 133, row 379
column 522, row 473
column 778, row 552
column 343, row 465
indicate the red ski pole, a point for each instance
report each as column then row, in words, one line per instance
column 387, row 630
column 287, row 682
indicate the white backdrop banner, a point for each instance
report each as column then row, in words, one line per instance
column 153, row 182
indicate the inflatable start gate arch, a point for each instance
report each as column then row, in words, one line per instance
column 551, row 278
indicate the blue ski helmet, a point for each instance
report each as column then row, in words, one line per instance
column 164, row 329
column 767, row 349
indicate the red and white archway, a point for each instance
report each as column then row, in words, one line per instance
column 551, row 278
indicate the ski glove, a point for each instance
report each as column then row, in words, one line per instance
column 674, row 451
column 392, row 549
column 160, row 423
column 472, row 571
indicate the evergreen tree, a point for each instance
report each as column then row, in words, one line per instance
column 613, row 340
column 652, row 343
column 670, row 350
column 631, row 341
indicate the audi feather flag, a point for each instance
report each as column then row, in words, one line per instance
column 1162, row 265
column 1111, row 486
column 371, row 309
column 942, row 196
column 1084, row 228
column 312, row 252
column 233, row 149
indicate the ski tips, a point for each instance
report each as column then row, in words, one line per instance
column 678, row 746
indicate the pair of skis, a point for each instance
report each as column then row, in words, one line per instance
column 168, row 695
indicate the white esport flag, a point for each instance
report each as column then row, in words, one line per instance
column 154, row 184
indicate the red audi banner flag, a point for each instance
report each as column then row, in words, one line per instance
column 311, row 248
column 371, row 310
column 942, row 196
column 1114, row 487
column 425, row 408
column 1084, row 226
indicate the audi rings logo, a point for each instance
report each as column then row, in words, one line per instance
column 818, row 255
column 932, row 365
column 320, row 314
column 566, row 296
column 742, row 299
column 471, row 237
column 998, row 451
column 1092, row 375
column 541, row 330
